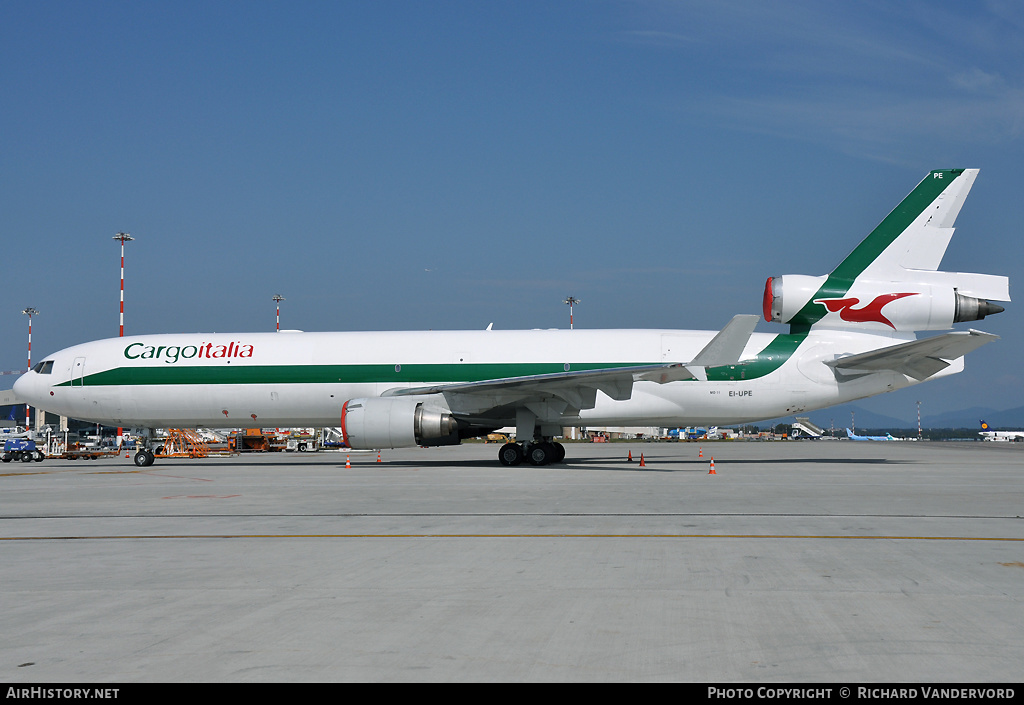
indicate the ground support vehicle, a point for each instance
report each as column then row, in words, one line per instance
column 21, row 449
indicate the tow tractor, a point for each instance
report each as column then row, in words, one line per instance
column 21, row 449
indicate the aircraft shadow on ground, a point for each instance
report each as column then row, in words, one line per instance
column 652, row 463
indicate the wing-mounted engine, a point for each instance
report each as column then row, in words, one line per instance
column 904, row 306
column 397, row 422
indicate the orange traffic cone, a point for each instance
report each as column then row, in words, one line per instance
column 642, row 463
column 629, row 458
column 378, row 456
column 700, row 454
column 712, row 471
column 348, row 463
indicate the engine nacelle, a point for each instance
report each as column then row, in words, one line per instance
column 785, row 296
column 396, row 422
column 870, row 305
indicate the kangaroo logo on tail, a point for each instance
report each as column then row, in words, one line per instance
column 871, row 312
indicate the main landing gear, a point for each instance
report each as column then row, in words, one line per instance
column 143, row 458
column 541, row 453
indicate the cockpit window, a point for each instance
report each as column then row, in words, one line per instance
column 44, row 367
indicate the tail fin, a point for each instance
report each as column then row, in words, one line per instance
column 917, row 232
column 895, row 268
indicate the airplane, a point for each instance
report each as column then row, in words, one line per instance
column 987, row 435
column 851, row 335
column 854, row 437
column 10, row 429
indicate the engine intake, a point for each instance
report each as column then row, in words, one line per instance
column 396, row 422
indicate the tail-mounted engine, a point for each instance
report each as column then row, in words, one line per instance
column 873, row 305
column 891, row 281
column 396, row 422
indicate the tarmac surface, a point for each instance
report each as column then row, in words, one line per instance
column 829, row 561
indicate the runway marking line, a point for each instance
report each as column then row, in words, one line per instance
column 175, row 477
column 503, row 536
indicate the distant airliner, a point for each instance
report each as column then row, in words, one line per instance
column 854, row 437
column 851, row 335
column 987, row 435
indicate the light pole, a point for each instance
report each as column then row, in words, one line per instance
column 918, row 420
column 123, row 237
column 29, row 312
column 277, row 298
column 571, row 301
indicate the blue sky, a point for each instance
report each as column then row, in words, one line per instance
column 410, row 165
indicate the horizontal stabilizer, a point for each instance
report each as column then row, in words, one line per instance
column 919, row 359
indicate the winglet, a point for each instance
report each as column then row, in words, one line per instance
column 726, row 347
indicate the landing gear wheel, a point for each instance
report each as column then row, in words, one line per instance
column 559, row 453
column 510, row 454
column 143, row 459
column 541, row 453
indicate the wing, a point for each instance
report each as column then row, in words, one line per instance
column 577, row 390
column 919, row 359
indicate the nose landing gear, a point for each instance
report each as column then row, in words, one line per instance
column 144, row 440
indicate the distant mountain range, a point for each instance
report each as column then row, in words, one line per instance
column 963, row 418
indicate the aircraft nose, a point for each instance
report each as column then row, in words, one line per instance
column 23, row 388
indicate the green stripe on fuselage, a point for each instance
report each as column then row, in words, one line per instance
column 768, row 360
column 326, row 374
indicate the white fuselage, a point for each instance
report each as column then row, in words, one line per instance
column 303, row 379
column 1002, row 435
